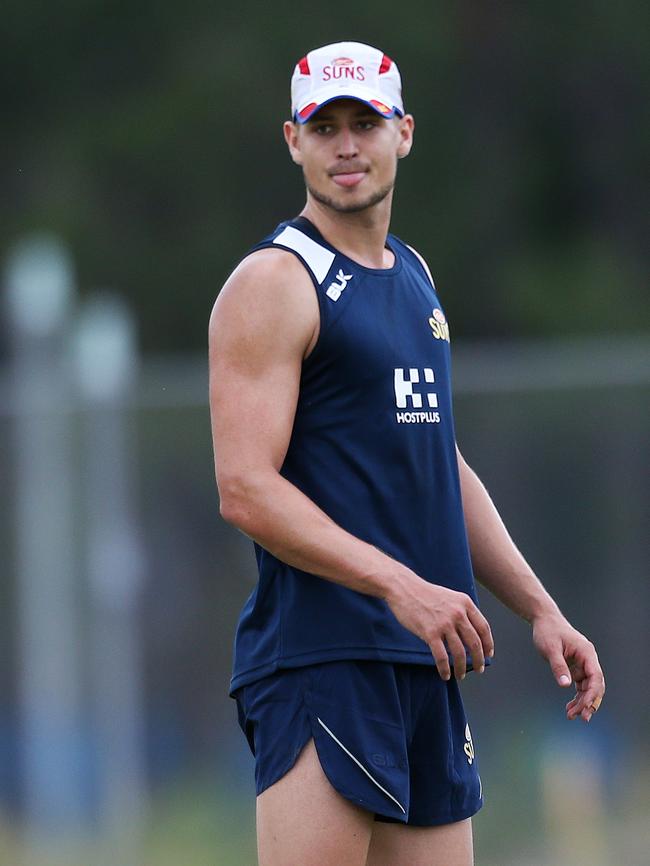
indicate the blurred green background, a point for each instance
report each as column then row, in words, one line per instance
column 147, row 138
column 148, row 135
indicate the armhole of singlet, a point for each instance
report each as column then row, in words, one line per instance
column 317, row 261
column 424, row 265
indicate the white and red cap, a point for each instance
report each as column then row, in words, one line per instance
column 345, row 70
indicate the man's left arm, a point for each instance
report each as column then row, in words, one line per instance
column 501, row 568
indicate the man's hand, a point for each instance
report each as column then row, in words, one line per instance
column 572, row 659
column 447, row 620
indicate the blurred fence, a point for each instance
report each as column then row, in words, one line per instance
column 121, row 587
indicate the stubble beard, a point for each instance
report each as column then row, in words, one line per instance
column 353, row 207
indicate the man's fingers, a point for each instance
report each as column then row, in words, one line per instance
column 585, row 702
column 459, row 655
column 482, row 627
column 439, row 652
column 560, row 669
column 591, row 706
column 590, row 684
column 474, row 646
column 465, row 631
column 575, row 707
column 588, row 699
column 572, row 657
column 595, row 704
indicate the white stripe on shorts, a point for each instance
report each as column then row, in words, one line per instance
column 359, row 764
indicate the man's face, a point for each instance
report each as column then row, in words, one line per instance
column 349, row 153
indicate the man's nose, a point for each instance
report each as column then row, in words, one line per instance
column 347, row 143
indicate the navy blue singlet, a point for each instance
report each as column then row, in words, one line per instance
column 373, row 446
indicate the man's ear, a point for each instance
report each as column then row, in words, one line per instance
column 292, row 138
column 406, row 129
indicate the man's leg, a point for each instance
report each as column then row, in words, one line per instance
column 399, row 845
column 303, row 821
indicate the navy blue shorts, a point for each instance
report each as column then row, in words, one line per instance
column 392, row 738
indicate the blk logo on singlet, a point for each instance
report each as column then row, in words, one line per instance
column 407, row 396
column 335, row 289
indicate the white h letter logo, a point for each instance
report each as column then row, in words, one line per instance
column 404, row 388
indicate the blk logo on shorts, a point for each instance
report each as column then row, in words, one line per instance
column 407, row 396
column 389, row 760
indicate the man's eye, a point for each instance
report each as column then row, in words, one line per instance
column 367, row 124
column 323, row 129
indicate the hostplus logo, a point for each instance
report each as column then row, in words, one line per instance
column 407, row 397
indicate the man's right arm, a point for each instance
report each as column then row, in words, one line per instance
column 263, row 325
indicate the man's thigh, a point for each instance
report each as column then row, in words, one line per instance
column 400, row 845
column 303, row 821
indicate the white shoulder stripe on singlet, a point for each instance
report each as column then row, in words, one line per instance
column 318, row 258
column 359, row 764
column 424, row 264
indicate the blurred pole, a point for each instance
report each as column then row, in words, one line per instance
column 573, row 796
column 106, row 367
column 39, row 286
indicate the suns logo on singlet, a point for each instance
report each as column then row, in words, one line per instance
column 407, row 397
column 439, row 325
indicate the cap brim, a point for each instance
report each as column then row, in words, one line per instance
column 308, row 111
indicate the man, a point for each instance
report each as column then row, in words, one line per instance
column 335, row 452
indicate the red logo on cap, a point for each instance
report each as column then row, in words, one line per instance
column 343, row 61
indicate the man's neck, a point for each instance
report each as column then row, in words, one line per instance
column 360, row 235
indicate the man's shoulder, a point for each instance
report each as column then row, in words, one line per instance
column 269, row 266
column 270, row 290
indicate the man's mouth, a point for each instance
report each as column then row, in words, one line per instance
column 348, row 178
